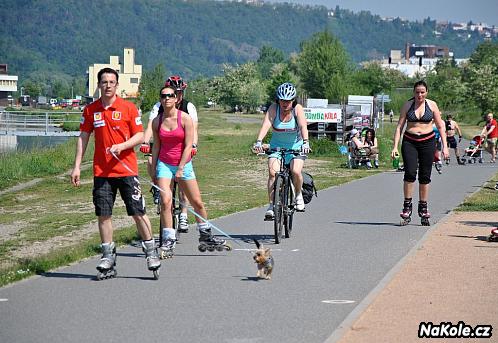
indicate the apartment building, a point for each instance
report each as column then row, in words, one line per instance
column 129, row 75
column 8, row 85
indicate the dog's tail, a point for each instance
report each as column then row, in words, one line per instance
column 257, row 243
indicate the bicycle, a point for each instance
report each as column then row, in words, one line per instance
column 284, row 203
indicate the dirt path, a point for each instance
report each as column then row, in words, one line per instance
column 452, row 277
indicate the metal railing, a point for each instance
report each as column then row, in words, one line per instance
column 36, row 124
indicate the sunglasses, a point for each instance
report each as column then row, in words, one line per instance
column 168, row 95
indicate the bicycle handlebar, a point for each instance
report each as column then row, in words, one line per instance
column 269, row 151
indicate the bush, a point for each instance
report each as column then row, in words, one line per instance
column 324, row 147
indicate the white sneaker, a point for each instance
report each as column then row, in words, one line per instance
column 269, row 212
column 299, row 202
column 183, row 224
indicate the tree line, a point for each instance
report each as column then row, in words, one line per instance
column 323, row 69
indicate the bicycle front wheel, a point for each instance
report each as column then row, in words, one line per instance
column 278, row 204
column 288, row 209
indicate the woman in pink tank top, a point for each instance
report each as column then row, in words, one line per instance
column 173, row 132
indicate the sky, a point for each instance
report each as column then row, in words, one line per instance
column 456, row 11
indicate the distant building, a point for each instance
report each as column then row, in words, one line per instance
column 395, row 56
column 8, row 85
column 129, row 75
column 423, row 59
column 429, row 51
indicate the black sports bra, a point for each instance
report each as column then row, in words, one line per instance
column 427, row 117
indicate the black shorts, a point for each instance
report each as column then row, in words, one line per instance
column 106, row 188
column 452, row 142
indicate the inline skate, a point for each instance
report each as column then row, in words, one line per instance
column 167, row 248
column 152, row 257
column 183, row 224
column 211, row 243
column 107, row 266
column 423, row 213
column 493, row 237
column 406, row 212
column 439, row 167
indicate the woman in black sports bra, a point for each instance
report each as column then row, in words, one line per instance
column 418, row 148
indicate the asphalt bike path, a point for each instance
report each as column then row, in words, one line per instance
column 342, row 251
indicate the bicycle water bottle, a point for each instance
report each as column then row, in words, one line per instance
column 396, row 161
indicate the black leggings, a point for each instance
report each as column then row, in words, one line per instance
column 418, row 154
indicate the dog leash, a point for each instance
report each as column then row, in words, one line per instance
column 176, row 199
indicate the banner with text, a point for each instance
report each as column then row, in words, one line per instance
column 323, row 115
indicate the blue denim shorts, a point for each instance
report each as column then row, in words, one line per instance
column 167, row 171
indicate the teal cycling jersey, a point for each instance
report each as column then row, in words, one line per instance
column 286, row 134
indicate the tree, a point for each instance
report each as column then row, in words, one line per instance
column 373, row 79
column 280, row 73
column 268, row 57
column 324, row 67
column 199, row 92
column 446, row 85
column 149, row 87
column 481, row 77
column 234, row 87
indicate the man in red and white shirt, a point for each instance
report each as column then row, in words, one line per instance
column 490, row 132
column 117, row 128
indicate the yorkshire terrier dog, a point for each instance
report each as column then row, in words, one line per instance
column 264, row 259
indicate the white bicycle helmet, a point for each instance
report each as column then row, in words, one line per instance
column 286, row 91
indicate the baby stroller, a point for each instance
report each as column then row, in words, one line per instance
column 356, row 157
column 474, row 152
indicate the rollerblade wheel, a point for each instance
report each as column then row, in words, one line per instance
column 425, row 222
column 404, row 221
column 211, row 248
column 156, row 274
column 219, row 248
column 109, row 274
column 202, row 248
column 166, row 254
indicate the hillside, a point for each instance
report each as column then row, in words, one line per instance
column 191, row 37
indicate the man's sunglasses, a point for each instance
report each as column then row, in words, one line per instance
column 168, row 95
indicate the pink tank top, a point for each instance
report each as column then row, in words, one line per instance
column 172, row 142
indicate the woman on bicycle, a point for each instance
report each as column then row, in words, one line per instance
column 289, row 131
column 173, row 133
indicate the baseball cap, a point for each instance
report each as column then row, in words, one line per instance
column 354, row 132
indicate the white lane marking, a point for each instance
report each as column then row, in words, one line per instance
column 338, row 302
column 4, row 300
column 295, row 250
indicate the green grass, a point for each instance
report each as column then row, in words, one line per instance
column 22, row 166
column 486, row 199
